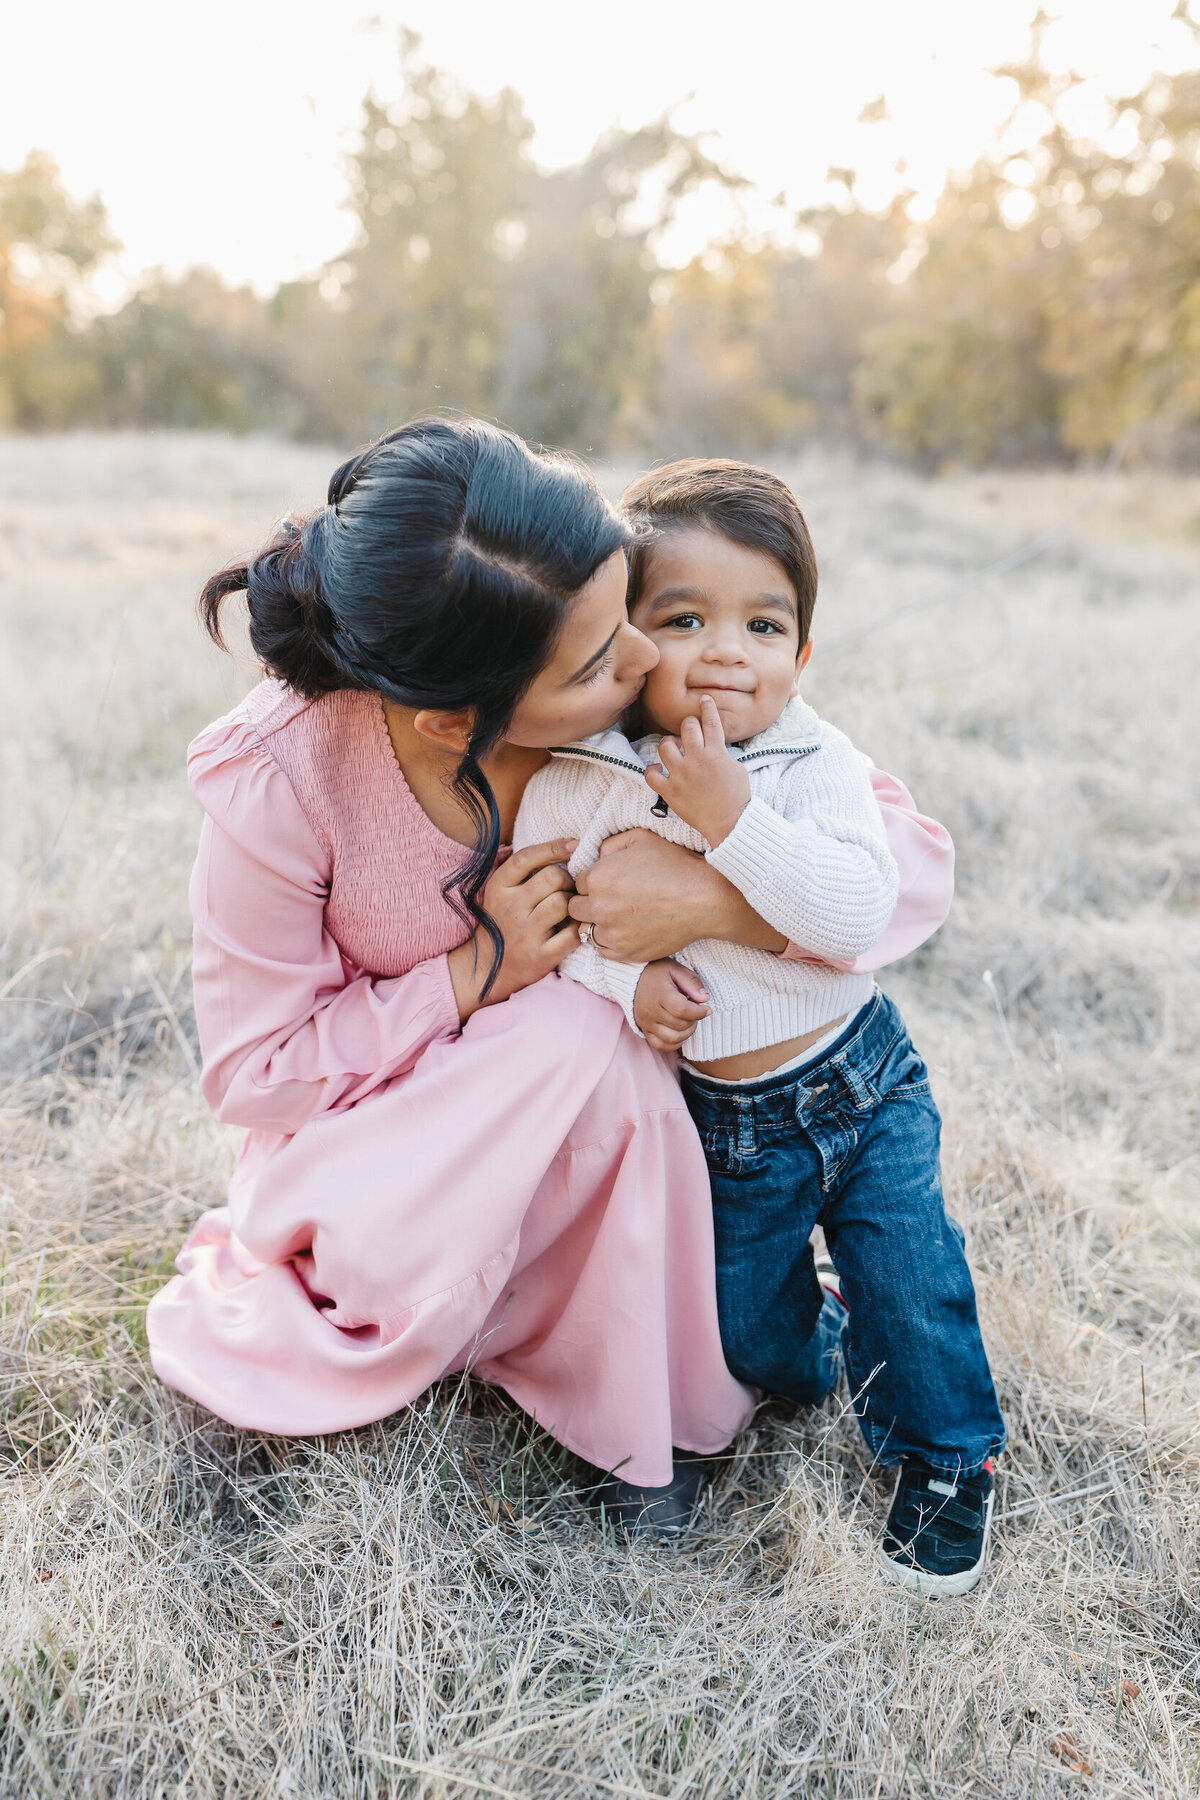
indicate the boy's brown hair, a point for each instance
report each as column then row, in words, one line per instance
column 748, row 505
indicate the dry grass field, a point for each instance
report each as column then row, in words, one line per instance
column 424, row 1607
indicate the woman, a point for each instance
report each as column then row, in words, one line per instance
column 452, row 1157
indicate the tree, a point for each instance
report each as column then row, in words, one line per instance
column 50, row 245
column 190, row 352
column 1049, row 308
column 442, row 186
column 482, row 282
column 1055, row 305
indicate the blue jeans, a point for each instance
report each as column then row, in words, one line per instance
column 850, row 1143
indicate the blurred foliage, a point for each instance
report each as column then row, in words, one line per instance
column 49, row 245
column 1049, row 307
column 1055, row 305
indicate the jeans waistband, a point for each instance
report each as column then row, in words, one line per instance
column 843, row 1075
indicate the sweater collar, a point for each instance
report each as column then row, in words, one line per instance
column 795, row 731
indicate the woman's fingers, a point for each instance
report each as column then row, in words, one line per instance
column 551, row 880
column 621, row 840
column 549, row 913
column 524, row 863
column 560, row 944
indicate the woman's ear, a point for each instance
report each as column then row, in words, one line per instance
column 449, row 731
column 801, row 663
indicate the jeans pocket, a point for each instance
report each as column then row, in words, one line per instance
column 902, row 1074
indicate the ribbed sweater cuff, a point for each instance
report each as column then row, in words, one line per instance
column 622, row 981
column 751, row 855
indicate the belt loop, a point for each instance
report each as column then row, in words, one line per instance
column 746, row 1136
column 861, row 1091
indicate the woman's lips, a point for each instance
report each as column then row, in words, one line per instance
column 624, row 707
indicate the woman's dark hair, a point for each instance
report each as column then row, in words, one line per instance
column 439, row 576
column 748, row 505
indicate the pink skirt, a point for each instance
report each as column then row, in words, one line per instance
column 530, row 1200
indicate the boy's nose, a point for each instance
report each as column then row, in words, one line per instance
column 725, row 648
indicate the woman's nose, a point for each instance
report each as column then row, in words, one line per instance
column 638, row 654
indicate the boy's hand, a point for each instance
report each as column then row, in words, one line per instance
column 698, row 778
column 668, row 1003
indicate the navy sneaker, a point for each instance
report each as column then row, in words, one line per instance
column 936, row 1540
column 656, row 1511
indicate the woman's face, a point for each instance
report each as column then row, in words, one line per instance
column 597, row 670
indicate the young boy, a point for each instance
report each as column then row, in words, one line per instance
column 810, row 1100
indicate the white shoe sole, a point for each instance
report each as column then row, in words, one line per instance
column 941, row 1587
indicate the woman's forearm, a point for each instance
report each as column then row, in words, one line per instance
column 646, row 898
column 727, row 914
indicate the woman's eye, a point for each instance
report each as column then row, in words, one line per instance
column 600, row 669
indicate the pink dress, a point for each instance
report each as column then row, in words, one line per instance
column 524, row 1194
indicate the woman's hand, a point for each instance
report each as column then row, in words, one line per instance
column 647, row 898
column 527, row 897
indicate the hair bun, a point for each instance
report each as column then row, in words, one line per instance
column 342, row 481
column 291, row 628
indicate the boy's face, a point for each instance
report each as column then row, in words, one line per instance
column 724, row 619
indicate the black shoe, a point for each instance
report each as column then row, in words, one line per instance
column 659, row 1511
column 936, row 1541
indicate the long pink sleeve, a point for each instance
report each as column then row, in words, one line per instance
column 286, row 1029
column 924, row 851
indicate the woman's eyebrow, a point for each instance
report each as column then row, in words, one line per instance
column 592, row 660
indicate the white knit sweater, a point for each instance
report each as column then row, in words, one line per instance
column 809, row 853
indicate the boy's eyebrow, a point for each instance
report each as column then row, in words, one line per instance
column 597, row 656
column 774, row 602
column 666, row 596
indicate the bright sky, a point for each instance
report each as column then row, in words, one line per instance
column 218, row 133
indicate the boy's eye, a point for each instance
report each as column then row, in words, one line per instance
column 683, row 622
column 764, row 627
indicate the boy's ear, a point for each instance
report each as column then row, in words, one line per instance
column 801, row 662
column 449, row 731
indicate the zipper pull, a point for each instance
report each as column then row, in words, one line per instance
column 660, row 808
